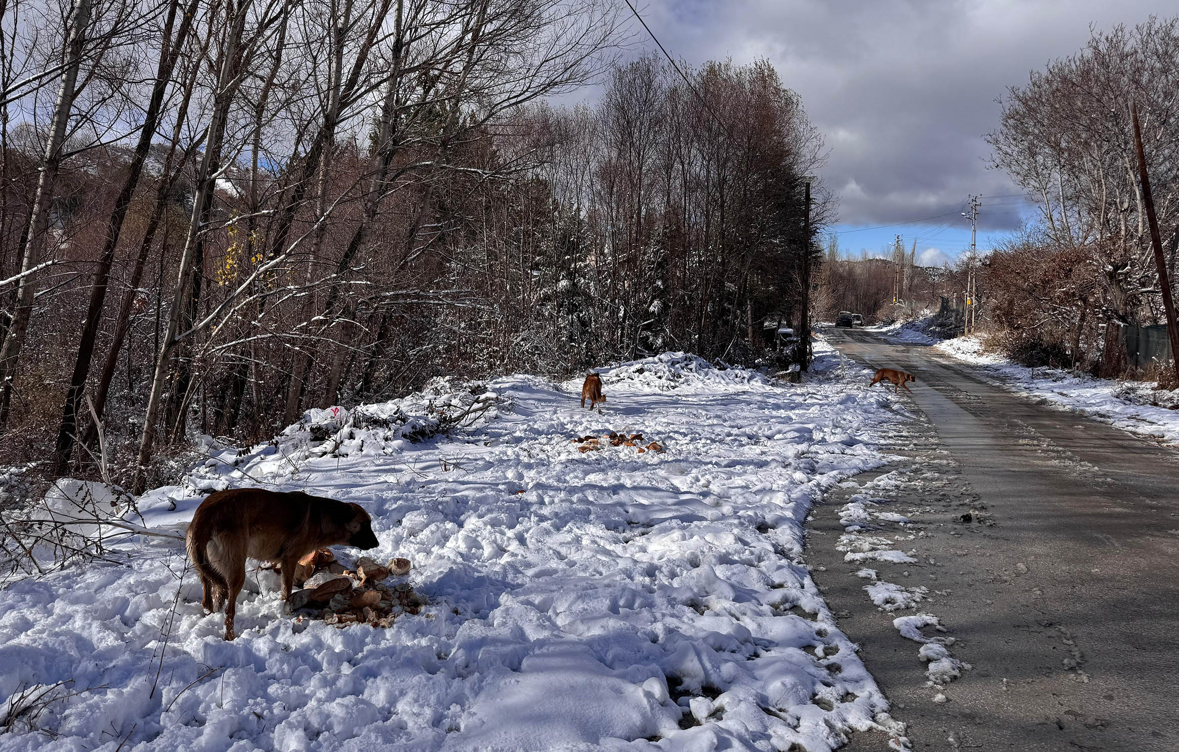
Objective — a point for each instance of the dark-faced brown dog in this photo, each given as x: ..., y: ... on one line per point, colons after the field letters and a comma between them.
x: 241, y: 523
x: 592, y: 390
x: 897, y: 377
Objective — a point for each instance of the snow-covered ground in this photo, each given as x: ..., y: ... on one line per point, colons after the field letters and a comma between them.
x: 576, y: 600
x: 914, y: 332
x: 1133, y: 406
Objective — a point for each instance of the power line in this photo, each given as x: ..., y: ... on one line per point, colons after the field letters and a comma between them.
x: 940, y: 228
x: 937, y: 231
x: 691, y: 86
x: 700, y: 98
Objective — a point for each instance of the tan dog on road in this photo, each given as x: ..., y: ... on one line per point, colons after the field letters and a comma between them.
x: 230, y: 526
x: 897, y: 377
x: 592, y: 390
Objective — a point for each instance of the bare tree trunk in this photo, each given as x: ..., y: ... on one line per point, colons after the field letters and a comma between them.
x: 342, y: 90
x: 227, y: 84
x: 386, y: 150
x: 6, y: 73
x: 337, y: 368
x: 1114, y: 360
x: 169, y: 53
x: 327, y: 136
x: 1077, y: 337
x: 378, y: 351
x: 123, y: 320
x: 246, y: 368
x: 34, y: 245
x: 176, y: 412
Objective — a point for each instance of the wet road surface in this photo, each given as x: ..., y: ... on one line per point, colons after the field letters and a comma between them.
x: 1061, y: 591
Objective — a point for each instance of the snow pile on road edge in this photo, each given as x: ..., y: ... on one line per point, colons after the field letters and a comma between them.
x: 1136, y: 407
x: 914, y: 331
x: 856, y: 517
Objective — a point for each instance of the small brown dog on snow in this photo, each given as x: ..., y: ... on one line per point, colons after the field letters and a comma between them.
x: 897, y: 377
x: 230, y: 526
x: 592, y: 390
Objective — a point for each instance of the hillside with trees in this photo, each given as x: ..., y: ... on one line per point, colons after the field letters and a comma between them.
x: 214, y: 216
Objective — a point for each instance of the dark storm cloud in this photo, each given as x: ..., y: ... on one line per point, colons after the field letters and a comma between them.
x: 903, y: 92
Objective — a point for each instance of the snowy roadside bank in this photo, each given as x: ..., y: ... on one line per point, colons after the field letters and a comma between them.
x: 576, y: 600
x: 1124, y: 404
x: 915, y: 332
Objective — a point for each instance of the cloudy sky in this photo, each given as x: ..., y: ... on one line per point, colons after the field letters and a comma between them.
x: 903, y: 91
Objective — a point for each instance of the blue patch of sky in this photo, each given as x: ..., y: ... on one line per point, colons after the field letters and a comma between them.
x: 941, y: 238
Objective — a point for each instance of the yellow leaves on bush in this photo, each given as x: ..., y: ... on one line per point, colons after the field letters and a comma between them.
x: 230, y: 267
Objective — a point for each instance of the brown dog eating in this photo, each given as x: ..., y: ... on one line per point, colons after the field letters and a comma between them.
x: 231, y: 526
x: 592, y: 390
x: 896, y: 377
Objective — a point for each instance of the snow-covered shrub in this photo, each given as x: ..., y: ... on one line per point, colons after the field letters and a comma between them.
x: 76, y: 520
x: 1140, y: 393
x: 443, y: 405
x: 679, y: 371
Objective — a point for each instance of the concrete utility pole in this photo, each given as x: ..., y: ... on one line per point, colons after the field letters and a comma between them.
x: 898, y: 249
x: 1156, y: 240
x: 804, y: 326
x: 970, y: 300
x: 911, y: 270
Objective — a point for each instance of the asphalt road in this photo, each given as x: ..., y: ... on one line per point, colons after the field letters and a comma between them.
x: 1062, y: 592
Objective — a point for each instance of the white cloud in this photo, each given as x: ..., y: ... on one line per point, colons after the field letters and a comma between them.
x: 904, y: 89
x: 932, y: 257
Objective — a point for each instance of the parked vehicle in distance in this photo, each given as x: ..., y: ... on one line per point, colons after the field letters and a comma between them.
x: 845, y: 318
x: 857, y: 320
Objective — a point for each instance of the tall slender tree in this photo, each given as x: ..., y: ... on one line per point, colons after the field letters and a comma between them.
x: 35, y: 238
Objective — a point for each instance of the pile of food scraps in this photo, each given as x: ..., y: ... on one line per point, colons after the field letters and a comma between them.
x: 368, y: 593
x: 593, y: 443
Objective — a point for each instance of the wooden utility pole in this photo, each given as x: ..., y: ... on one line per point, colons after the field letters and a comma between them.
x: 1157, y: 241
x: 804, y: 326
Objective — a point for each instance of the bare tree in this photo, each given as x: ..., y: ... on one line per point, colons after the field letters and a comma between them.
x: 34, y: 240
x: 234, y: 55
x: 1066, y: 137
x: 333, y: 201
x: 171, y: 48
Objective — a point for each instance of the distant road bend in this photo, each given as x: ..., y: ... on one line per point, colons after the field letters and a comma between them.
x: 1067, y: 607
